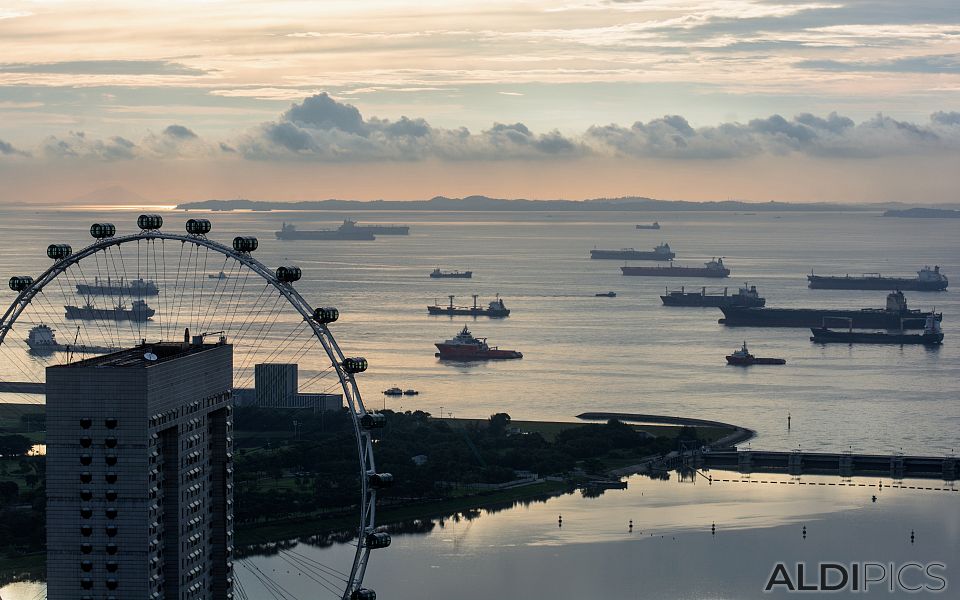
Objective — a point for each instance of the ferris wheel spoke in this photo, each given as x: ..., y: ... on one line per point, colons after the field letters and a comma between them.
x: 261, y: 334
x: 101, y: 327
x: 214, y: 306
x: 280, y: 349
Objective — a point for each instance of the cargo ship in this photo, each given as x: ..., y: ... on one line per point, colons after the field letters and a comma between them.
x: 139, y: 311
x: 654, y: 225
x: 927, y: 280
x: 347, y: 231
x: 745, y: 296
x: 714, y: 268
x: 496, y: 308
x: 438, y: 274
x: 932, y: 335
x: 896, y: 315
x: 466, y: 347
x: 743, y: 358
x: 43, y: 340
x: 661, y: 252
x: 137, y: 288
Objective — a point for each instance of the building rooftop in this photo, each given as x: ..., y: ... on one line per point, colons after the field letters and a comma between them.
x: 144, y: 355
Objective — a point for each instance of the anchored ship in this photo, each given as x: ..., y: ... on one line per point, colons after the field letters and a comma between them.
x: 654, y: 225
x: 714, y: 268
x: 136, y: 288
x: 743, y: 358
x: 927, y: 280
x: 347, y: 231
x: 896, y: 315
x: 932, y: 335
x: 43, y: 340
x: 466, y: 347
x: 496, y: 308
x: 139, y: 311
x: 438, y: 274
x: 745, y: 296
x: 661, y: 252
x: 385, y: 229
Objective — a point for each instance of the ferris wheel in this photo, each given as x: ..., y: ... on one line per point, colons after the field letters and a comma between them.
x: 122, y: 291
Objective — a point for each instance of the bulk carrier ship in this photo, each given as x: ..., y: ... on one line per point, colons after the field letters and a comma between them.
x: 927, y: 280
x: 661, y: 252
x: 714, y: 268
x: 896, y: 315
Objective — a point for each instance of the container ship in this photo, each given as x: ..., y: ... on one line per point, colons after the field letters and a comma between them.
x: 932, y: 335
x: 661, y: 252
x: 714, y: 268
x: 438, y: 274
x: 745, y: 296
x: 927, y: 280
x: 654, y: 225
x: 347, y: 231
x: 466, y: 347
x: 43, y: 340
x: 139, y: 311
x: 896, y: 315
x: 137, y: 288
x: 496, y: 308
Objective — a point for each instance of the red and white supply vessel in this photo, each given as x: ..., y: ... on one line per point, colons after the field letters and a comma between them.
x: 466, y: 347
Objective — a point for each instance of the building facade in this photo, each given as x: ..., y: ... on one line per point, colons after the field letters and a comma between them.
x: 140, y: 475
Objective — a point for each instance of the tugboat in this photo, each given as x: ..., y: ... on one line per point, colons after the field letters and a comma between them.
x: 745, y: 296
x: 139, y: 311
x: 661, y: 252
x: 466, y: 347
x: 932, y: 335
x: 347, y: 231
x: 606, y: 295
x: 714, y: 268
x: 137, y: 288
x: 927, y: 280
x: 42, y: 340
x: 495, y: 309
x: 220, y: 275
x: 394, y: 391
x: 438, y: 274
x: 653, y: 225
x: 743, y: 358
x: 896, y: 315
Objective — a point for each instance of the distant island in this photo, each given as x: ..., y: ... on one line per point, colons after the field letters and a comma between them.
x: 483, y: 203
x: 924, y: 213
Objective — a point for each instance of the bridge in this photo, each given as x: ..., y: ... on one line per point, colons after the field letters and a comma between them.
x: 844, y: 464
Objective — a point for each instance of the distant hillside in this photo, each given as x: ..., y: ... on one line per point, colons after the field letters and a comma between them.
x: 483, y: 203
x: 110, y: 195
x: 924, y: 213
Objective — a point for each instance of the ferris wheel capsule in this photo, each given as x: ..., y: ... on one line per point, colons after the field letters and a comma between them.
x: 20, y: 282
x: 376, y: 540
x: 198, y: 226
x: 373, y: 421
x: 355, y: 365
x: 245, y: 243
x: 149, y: 222
x: 102, y: 231
x: 288, y: 274
x: 325, y: 315
x: 59, y: 251
x: 363, y: 594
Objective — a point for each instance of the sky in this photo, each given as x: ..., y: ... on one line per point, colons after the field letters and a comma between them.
x: 797, y: 100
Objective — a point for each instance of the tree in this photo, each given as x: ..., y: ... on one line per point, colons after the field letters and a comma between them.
x: 499, y: 423
x: 14, y: 445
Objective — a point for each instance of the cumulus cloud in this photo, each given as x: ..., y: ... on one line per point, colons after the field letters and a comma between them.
x: 179, y: 132
x: 175, y: 141
x: 8, y: 149
x: 322, y: 128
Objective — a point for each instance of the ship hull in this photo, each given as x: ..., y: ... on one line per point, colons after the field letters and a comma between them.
x: 47, y: 349
x: 466, y: 353
x: 630, y: 255
x: 385, y: 229
x: 806, y: 317
x: 740, y: 361
x: 107, y: 314
x: 819, y: 282
x: 714, y: 301
x: 464, y: 275
x: 468, y: 311
x: 364, y: 236
x: 675, y: 272
x: 827, y: 336
x: 648, y: 227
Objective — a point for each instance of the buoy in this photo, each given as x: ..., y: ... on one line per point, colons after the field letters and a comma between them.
x: 911, y: 536
x: 874, y: 498
x: 631, y: 525
x: 713, y: 529
x: 560, y: 521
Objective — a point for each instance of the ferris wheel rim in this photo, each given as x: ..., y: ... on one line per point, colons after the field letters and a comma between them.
x: 320, y: 331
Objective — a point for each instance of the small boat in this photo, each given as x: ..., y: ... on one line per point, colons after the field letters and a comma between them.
x: 220, y: 275
x: 743, y: 358
x: 394, y: 391
x: 654, y: 225
x: 606, y: 295
x: 466, y: 347
x: 410, y: 392
x: 438, y: 274
x: 932, y: 335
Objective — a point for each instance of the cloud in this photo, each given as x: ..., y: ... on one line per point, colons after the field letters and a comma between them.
x: 946, y: 63
x: 103, y: 67
x: 78, y: 145
x: 179, y: 132
x: 321, y: 128
x: 7, y: 149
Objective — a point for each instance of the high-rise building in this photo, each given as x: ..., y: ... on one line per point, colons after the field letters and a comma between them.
x: 139, y: 474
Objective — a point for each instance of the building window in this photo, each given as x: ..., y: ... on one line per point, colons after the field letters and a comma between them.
x: 112, y: 566
x: 86, y: 530
x: 86, y: 477
x: 111, y: 495
x: 110, y: 442
x: 86, y: 548
x: 111, y: 477
x: 86, y: 441
x: 86, y: 583
x: 85, y: 459
x: 86, y: 512
x: 111, y: 459
x: 111, y: 423
x: 86, y: 566
x: 111, y: 530
x: 111, y: 584
x: 112, y: 549
x: 86, y: 422
x: 111, y: 513
x: 86, y: 495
